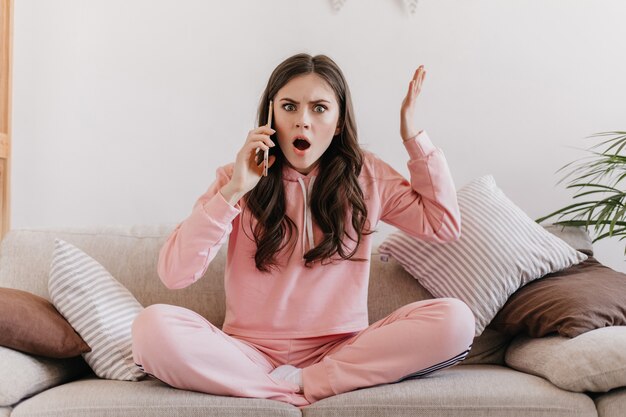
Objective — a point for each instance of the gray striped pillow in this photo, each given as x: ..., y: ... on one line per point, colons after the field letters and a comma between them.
x: 500, y: 249
x: 98, y: 307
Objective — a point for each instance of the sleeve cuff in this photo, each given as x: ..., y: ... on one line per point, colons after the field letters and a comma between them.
x: 220, y: 210
x: 419, y: 146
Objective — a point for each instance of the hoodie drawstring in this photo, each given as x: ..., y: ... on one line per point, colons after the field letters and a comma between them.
x: 308, y: 222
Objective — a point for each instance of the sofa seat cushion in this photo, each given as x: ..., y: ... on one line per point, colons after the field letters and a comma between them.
x: 612, y: 404
x: 92, y: 396
x: 467, y: 391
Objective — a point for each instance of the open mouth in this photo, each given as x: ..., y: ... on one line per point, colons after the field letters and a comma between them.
x: 301, y: 144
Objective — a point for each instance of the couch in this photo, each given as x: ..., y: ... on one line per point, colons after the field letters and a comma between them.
x: 482, y: 385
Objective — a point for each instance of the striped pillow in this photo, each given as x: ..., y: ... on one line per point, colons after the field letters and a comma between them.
x: 98, y: 307
x: 500, y: 249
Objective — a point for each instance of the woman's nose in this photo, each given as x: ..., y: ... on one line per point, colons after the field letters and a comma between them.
x: 303, y: 120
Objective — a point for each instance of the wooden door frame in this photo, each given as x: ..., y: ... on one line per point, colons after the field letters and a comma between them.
x: 6, y: 77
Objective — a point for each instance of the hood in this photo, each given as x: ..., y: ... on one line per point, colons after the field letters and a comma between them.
x: 291, y: 174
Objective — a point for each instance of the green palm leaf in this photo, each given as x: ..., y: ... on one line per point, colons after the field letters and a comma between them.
x: 597, y: 173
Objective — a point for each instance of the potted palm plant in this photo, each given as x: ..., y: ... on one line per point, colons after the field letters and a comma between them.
x: 598, y: 177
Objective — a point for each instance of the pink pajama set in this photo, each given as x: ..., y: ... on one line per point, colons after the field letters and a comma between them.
x: 315, y: 318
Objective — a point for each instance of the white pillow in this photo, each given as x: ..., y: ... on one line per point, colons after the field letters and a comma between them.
x: 500, y: 249
x: 23, y: 375
x: 593, y: 361
x: 98, y: 307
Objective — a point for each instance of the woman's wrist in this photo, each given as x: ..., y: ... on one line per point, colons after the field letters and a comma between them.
x: 412, y: 137
x: 230, y: 194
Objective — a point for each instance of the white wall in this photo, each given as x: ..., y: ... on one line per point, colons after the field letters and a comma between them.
x: 124, y: 109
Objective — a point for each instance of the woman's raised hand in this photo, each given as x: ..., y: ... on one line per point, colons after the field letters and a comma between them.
x: 408, y: 109
x: 247, y: 172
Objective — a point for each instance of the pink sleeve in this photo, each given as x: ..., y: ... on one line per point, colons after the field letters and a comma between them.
x: 192, y: 245
x: 427, y: 207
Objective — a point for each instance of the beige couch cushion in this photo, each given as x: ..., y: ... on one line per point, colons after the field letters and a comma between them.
x: 488, y: 348
x: 612, y: 404
x: 150, y: 397
x: 129, y: 253
x: 23, y: 375
x: 5, y: 411
x: 480, y: 391
x: 575, y: 236
x: 594, y: 361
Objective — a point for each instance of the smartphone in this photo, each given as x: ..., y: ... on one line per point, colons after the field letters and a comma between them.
x: 266, y: 152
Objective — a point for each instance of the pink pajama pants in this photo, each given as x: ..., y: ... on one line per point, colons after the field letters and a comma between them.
x: 184, y: 350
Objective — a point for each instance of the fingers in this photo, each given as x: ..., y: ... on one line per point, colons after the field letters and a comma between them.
x: 419, y: 73
x: 260, y: 165
x: 253, y: 150
x: 418, y: 78
x: 257, y: 142
x: 260, y: 141
x: 415, y: 86
x: 409, y: 93
x: 263, y: 129
x: 262, y: 133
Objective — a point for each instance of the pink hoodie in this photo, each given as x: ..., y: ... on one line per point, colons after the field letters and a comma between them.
x: 296, y: 301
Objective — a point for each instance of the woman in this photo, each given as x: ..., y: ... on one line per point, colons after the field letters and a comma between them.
x: 299, y: 243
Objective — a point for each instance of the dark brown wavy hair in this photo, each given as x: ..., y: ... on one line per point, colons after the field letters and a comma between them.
x: 336, y: 196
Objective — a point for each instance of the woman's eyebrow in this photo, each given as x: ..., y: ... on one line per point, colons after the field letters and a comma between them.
x: 314, y: 101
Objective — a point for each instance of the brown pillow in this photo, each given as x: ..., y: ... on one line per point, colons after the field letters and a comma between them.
x: 31, y: 324
x: 570, y: 302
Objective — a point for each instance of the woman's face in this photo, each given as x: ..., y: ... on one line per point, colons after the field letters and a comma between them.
x: 306, y: 116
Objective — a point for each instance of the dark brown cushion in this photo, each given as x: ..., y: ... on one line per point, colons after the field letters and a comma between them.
x: 570, y: 302
x: 31, y: 324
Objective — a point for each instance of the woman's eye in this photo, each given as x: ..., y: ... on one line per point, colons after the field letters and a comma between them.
x: 318, y: 109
